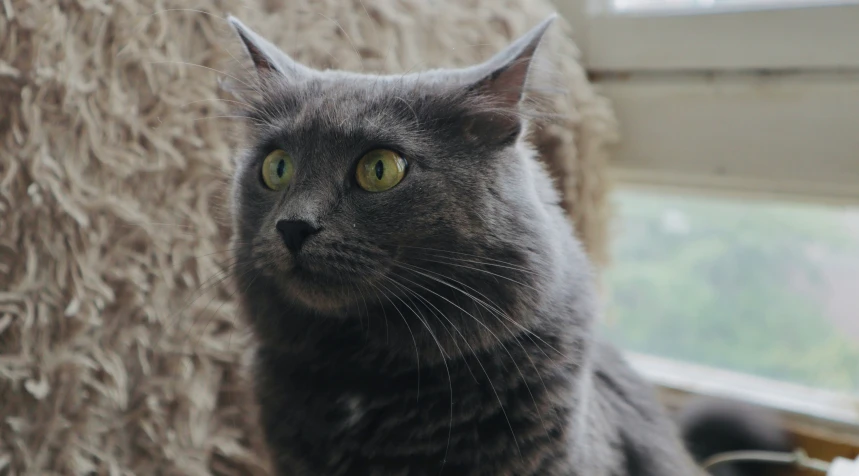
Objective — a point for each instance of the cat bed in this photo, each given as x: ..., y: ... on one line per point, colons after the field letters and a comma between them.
x: 120, y: 349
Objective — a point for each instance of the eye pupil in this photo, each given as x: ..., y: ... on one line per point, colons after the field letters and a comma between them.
x: 379, y: 169
x: 281, y: 166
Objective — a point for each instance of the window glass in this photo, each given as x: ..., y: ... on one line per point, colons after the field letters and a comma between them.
x: 770, y: 289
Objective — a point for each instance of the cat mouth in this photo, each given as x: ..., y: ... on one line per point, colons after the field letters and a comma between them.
x: 317, y: 273
x: 325, y: 290
x: 325, y: 278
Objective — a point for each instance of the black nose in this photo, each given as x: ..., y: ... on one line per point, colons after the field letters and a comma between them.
x: 294, y: 232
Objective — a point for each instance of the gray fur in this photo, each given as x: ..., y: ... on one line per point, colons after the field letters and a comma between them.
x: 442, y: 326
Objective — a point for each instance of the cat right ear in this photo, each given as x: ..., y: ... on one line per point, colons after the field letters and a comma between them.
x: 267, y: 58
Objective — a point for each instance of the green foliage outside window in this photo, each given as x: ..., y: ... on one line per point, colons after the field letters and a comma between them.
x: 768, y: 289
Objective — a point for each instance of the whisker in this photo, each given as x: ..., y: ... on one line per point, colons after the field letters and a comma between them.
x: 227, y: 116
x: 152, y: 223
x: 510, y: 425
x: 439, y: 315
x: 366, y: 308
x: 202, y: 311
x: 203, y: 332
x: 447, y: 369
x: 201, y: 12
x: 205, y: 67
x: 514, y: 268
x: 225, y: 250
x: 201, y: 290
x: 360, y: 318
x: 231, y: 101
x: 484, y: 258
x: 521, y: 346
x: 194, y: 10
x: 349, y: 38
x: 417, y: 120
x: 417, y: 354
x: 485, y: 271
x: 485, y: 303
x: 166, y: 10
x: 384, y: 312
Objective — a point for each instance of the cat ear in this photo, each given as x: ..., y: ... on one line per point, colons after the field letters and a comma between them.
x: 267, y: 58
x: 502, y: 79
x: 499, y: 86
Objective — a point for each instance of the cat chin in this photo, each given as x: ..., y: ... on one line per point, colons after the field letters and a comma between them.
x: 319, y: 294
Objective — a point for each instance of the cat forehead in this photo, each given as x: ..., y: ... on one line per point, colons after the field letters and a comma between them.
x: 363, y: 88
x: 338, y: 97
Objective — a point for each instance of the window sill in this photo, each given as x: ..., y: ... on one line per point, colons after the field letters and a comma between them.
x: 824, y: 423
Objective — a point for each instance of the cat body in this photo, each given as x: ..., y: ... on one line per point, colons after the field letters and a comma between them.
x: 380, y: 416
x: 442, y: 325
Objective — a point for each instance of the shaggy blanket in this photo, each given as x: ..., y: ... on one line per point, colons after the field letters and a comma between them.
x: 120, y: 347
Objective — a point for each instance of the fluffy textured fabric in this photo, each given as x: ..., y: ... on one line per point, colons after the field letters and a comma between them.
x: 120, y: 347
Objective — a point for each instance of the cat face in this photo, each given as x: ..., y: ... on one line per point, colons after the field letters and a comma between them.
x: 356, y: 188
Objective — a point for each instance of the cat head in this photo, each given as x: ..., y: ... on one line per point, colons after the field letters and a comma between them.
x: 355, y: 188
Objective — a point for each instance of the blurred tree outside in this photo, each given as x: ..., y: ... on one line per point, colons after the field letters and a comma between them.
x: 770, y: 289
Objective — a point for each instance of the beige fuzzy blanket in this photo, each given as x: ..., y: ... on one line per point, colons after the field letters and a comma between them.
x: 119, y: 343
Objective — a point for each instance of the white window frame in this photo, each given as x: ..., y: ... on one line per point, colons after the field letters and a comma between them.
x: 722, y: 101
x: 821, y: 36
x: 788, y: 137
x: 836, y: 414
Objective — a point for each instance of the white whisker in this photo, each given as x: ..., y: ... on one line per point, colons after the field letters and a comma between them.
x: 528, y: 333
x: 515, y: 441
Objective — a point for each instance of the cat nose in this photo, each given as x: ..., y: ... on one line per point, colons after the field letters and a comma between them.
x: 294, y: 232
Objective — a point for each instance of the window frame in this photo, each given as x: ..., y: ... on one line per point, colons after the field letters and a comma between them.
x: 790, y: 136
x: 678, y: 381
x: 718, y: 38
x: 824, y: 424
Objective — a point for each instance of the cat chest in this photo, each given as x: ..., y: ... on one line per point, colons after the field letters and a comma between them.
x: 463, y: 423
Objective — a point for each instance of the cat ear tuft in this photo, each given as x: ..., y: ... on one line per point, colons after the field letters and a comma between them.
x: 506, y: 74
x: 267, y: 58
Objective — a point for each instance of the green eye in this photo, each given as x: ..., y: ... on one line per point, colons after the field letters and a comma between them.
x: 277, y: 170
x: 380, y: 170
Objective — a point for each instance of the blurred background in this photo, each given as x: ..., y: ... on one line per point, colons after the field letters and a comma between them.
x: 707, y: 152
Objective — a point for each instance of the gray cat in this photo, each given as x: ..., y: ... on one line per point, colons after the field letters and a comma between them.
x: 421, y: 303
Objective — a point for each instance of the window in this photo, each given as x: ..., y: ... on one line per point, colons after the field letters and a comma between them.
x: 736, y: 254
x: 764, y: 288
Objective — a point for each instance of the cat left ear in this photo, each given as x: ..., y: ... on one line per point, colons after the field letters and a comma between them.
x: 504, y: 76
x: 267, y: 58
